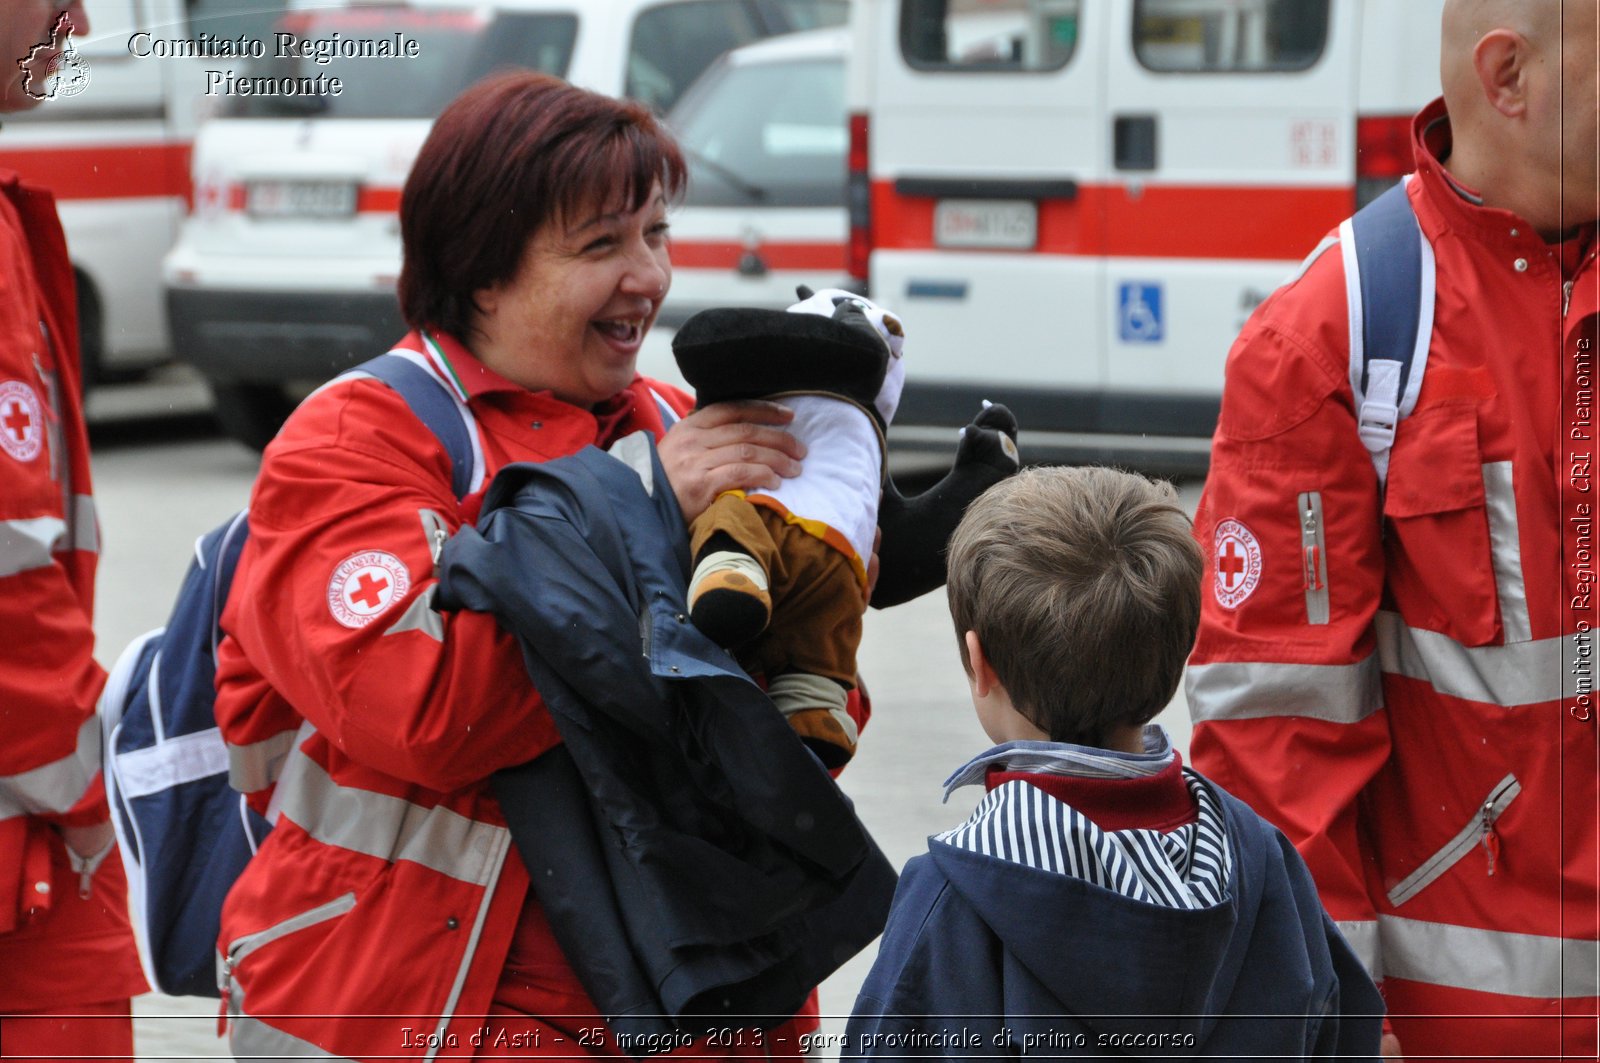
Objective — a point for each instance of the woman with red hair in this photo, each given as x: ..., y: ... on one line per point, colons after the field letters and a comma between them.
x: 387, y: 914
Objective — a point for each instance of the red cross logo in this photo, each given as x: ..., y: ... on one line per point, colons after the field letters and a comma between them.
x: 1230, y: 563
x: 16, y: 420
x: 21, y: 421
x: 1238, y: 564
x: 369, y: 591
x: 364, y: 586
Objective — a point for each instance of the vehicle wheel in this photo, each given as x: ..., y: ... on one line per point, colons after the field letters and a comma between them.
x: 250, y: 413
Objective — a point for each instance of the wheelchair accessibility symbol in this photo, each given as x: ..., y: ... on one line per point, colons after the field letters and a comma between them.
x: 1139, y: 313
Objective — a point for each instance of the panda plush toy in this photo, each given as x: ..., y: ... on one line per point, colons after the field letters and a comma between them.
x: 780, y: 574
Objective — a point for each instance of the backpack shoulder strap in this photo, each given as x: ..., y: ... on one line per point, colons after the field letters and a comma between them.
x: 1389, y: 287
x: 436, y: 407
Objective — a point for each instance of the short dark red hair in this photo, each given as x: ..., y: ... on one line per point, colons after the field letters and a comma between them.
x: 508, y: 155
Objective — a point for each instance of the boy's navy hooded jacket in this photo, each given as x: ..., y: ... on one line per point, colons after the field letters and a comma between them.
x: 986, y: 955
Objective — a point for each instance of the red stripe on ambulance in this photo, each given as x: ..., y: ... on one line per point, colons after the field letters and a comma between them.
x: 105, y: 171
x: 1163, y: 221
x: 718, y: 254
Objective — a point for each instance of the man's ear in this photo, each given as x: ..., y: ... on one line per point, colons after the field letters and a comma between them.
x: 1500, y: 60
x: 983, y: 678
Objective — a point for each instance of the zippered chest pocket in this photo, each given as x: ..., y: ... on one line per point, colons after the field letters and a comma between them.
x: 1440, y: 562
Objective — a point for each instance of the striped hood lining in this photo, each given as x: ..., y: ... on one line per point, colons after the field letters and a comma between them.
x: 1188, y: 868
x: 1064, y: 758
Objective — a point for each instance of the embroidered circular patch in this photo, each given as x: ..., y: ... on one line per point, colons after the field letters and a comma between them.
x: 364, y: 585
x: 21, y: 420
x: 1237, y: 564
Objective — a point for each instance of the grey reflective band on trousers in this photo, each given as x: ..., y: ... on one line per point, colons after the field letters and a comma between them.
x: 1489, y: 961
x: 1481, y: 961
x: 33, y: 542
x: 253, y: 1039
x: 57, y: 786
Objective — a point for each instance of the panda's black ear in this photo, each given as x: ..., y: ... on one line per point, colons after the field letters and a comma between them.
x: 803, y: 292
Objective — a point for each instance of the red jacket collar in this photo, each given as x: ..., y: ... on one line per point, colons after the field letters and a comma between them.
x: 1156, y: 802
x: 472, y: 379
x: 1460, y: 207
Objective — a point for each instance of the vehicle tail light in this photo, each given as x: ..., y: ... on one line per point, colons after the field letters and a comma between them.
x: 858, y: 197
x: 1383, y: 154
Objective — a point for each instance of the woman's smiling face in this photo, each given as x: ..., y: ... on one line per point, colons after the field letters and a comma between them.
x: 574, y: 315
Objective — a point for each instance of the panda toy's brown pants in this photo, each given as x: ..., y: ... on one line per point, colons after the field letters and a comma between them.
x: 817, y: 603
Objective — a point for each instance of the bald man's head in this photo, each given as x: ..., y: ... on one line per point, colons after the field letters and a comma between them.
x: 1520, y: 84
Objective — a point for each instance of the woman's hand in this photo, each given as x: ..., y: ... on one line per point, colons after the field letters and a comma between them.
x: 725, y: 447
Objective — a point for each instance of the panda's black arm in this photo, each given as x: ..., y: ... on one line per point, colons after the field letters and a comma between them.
x: 916, y: 530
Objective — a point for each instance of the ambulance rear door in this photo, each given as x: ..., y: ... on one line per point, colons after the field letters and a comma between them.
x: 1230, y: 127
x: 986, y: 131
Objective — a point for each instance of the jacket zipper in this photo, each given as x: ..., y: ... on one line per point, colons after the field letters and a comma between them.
x: 1480, y: 831
x: 242, y: 947
x: 1313, y: 557
x: 1567, y: 286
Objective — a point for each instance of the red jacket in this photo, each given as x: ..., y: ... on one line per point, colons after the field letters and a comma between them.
x: 389, y: 887
x: 72, y: 948
x: 1404, y: 685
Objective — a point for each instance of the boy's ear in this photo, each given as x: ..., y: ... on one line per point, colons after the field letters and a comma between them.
x: 983, y: 677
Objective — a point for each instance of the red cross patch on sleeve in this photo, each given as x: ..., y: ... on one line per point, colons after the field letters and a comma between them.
x: 365, y: 585
x: 1236, y: 564
x: 21, y: 421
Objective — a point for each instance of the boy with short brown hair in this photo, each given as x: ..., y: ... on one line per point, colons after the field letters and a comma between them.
x: 1102, y: 899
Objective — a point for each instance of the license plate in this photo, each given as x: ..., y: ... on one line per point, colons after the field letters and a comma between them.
x: 1008, y: 224
x: 301, y: 199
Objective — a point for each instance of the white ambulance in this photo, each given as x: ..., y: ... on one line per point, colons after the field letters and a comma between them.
x: 1077, y: 203
x: 114, y: 148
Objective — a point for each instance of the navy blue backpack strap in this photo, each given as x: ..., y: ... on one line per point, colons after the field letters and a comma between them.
x: 1389, y: 289
x: 434, y: 405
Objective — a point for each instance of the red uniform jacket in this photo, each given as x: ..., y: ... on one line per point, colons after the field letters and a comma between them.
x: 1404, y: 683
x: 72, y: 948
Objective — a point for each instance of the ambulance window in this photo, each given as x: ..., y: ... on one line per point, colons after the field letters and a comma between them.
x: 1229, y: 36
x: 989, y: 35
